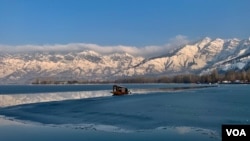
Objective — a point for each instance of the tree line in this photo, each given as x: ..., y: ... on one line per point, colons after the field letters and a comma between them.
x: 214, y: 77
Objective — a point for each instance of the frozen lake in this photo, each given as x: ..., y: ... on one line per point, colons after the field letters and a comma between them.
x: 152, y: 112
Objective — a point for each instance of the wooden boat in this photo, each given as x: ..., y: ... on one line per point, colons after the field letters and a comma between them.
x: 119, y: 90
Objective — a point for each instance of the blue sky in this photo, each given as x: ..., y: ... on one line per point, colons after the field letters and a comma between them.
x: 120, y: 22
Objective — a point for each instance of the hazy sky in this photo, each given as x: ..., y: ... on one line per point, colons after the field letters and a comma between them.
x: 120, y: 22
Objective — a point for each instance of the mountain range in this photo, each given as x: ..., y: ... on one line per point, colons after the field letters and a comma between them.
x: 200, y: 57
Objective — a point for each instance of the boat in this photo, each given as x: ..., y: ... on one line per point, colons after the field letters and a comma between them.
x: 120, y: 90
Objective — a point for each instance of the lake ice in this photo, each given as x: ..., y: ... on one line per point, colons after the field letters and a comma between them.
x: 150, y: 112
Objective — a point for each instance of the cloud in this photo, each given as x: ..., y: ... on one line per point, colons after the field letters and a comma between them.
x: 173, y: 43
x: 147, y: 51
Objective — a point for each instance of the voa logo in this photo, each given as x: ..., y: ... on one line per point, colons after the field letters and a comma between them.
x: 236, y: 132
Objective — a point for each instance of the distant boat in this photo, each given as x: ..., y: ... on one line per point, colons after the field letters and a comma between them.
x: 120, y: 90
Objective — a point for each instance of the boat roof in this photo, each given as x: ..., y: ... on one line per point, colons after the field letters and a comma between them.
x: 119, y: 86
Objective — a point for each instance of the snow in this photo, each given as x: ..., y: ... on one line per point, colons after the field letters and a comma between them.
x: 242, y: 52
x: 204, y: 42
x: 240, y: 65
x: 206, y: 53
x: 89, y: 52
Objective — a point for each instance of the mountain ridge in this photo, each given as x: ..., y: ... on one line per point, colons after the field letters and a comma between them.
x: 198, y: 57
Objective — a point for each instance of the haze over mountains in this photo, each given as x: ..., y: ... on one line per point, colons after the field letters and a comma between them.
x: 81, y: 62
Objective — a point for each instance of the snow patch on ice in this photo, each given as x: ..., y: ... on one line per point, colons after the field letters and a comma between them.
x: 95, y: 127
x: 4, y: 121
x: 187, y: 130
x: 18, y: 99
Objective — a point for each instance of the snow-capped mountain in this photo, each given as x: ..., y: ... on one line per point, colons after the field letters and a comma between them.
x: 199, y: 57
